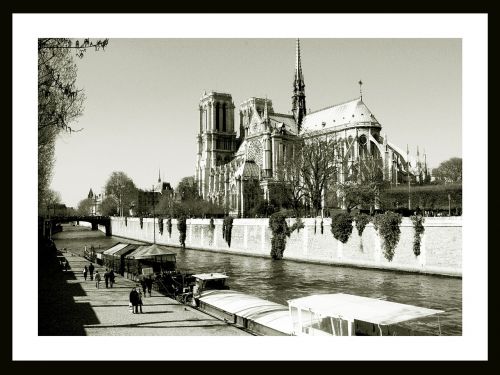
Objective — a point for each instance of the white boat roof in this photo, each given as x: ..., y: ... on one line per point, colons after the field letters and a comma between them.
x: 361, y: 308
x: 259, y: 310
x: 210, y: 276
x: 115, y: 248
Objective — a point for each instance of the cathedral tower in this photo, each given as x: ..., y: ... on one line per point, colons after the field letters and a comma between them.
x: 216, y: 139
x: 299, y: 94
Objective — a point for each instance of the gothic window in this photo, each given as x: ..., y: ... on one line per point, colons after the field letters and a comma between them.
x: 224, y: 117
x: 217, y: 116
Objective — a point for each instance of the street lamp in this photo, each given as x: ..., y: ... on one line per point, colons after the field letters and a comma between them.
x: 154, y: 224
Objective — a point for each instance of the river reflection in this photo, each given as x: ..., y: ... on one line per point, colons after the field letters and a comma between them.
x: 279, y: 281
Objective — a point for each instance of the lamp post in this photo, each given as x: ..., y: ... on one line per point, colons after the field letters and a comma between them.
x: 154, y: 224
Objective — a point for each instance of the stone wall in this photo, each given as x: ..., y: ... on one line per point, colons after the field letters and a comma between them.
x: 441, y: 246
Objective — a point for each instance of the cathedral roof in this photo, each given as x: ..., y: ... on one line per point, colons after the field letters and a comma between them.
x: 288, y: 120
x: 249, y: 169
x: 352, y: 112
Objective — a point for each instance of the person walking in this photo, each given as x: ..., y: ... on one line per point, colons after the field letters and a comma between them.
x: 111, y: 278
x: 143, y: 285
x: 66, y: 266
x: 149, y: 285
x: 139, y: 302
x: 85, y: 271
x: 97, y: 279
x: 134, y: 300
x: 106, y: 278
x: 91, y: 271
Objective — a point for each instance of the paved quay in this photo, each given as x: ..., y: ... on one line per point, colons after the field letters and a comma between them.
x: 106, y: 311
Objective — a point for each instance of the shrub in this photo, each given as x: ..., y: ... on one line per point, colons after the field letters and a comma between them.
x: 280, y: 230
x: 227, y: 227
x: 361, y: 221
x: 182, y: 227
x: 169, y: 227
x: 387, y: 225
x: 418, y: 222
x: 342, y: 226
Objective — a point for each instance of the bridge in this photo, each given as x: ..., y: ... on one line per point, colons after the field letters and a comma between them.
x: 50, y: 225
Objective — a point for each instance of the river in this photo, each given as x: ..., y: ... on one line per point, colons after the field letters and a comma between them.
x: 279, y: 281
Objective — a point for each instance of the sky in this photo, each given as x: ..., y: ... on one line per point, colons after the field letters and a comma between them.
x: 141, y: 110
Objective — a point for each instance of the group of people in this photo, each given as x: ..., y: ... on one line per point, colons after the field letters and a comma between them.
x: 109, y: 276
x: 135, y: 299
x: 136, y: 295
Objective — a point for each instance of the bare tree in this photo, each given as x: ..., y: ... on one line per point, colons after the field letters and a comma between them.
x: 318, y: 168
x: 60, y: 102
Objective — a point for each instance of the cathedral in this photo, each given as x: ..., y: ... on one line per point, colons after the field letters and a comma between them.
x: 229, y: 167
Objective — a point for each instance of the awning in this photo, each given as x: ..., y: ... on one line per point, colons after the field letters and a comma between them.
x: 153, y: 251
x: 137, y: 252
x: 115, y: 248
x: 127, y: 249
x: 367, y: 309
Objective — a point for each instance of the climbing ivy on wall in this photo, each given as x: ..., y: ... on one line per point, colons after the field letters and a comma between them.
x: 362, y: 221
x: 169, y: 227
x: 418, y: 221
x: 182, y: 227
x: 140, y: 221
x: 211, y: 228
x: 227, y: 227
x: 160, y: 225
x: 341, y: 226
x: 125, y: 221
x: 280, y: 231
x: 387, y: 225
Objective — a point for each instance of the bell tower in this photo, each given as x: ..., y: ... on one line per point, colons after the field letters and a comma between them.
x: 216, y: 138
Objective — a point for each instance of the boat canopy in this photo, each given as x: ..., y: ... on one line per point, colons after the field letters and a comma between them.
x: 115, y: 248
x: 126, y: 249
x: 258, y: 310
x: 152, y: 252
x: 210, y: 276
x: 350, y: 307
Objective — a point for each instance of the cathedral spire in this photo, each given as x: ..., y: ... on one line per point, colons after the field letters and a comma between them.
x: 299, y: 96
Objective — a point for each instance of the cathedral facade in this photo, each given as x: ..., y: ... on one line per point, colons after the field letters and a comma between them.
x: 230, y: 167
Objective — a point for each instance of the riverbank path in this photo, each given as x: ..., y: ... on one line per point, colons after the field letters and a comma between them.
x: 105, y: 311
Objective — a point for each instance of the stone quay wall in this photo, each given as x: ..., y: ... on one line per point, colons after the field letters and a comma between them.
x: 440, y: 249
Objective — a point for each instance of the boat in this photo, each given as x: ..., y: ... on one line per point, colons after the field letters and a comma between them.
x: 336, y: 314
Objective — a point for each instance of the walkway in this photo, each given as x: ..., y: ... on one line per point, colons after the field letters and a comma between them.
x: 105, y: 312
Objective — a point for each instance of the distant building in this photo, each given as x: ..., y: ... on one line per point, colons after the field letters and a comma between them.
x: 148, y: 199
x: 96, y: 203
x: 228, y: 167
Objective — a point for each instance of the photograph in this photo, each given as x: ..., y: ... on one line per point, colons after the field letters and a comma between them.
x: 259, y: 186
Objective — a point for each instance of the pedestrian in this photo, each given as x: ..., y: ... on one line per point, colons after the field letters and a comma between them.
x: 97, y: 279
x: 134, y: 300
x: 149, y: 284
x: 143, y: 285
x: 91, y: 271
x: 106, y: 278
x: 139, y: 302
x: 85, y: 270
x: 111, y: 278
x: 66, y: 265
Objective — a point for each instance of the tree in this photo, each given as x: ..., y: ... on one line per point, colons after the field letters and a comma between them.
x: 449, y: 171
x: 85, y: 207
x: 318, y: 168
x: 187, y: 189
x: 108, y: 207
x: 165, y: 205
x: 290, y: 188
x: 60, y: 102
x: 122, y: 190
x: 363, y: 186
x: 49, y: 201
